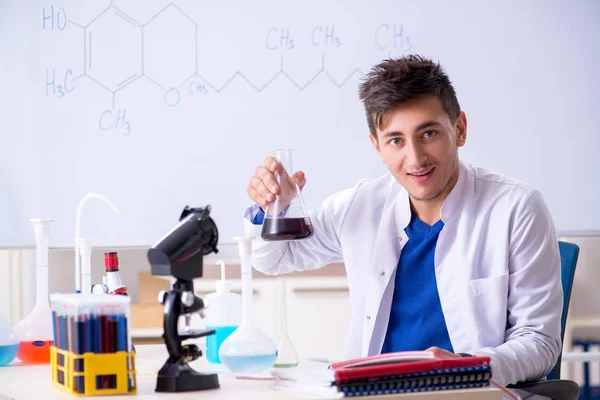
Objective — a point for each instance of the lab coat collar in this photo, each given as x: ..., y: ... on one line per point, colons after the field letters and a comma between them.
x: 463, y: 188
x: 398, y: 200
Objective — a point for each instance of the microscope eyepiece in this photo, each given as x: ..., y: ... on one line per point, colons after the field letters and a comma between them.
x: 179, y: 252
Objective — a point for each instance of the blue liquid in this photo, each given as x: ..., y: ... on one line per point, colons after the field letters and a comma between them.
x: 249, y: 364
x: 8, y: 353
x: 213, y: 342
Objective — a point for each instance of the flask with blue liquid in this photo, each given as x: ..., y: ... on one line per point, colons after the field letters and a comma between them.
x: 9, y: 344
x: 223, y: 314
x: 248, y: 350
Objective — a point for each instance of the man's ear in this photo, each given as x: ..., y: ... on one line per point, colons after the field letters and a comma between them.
x: 461, y: 129
x: 376, y: 145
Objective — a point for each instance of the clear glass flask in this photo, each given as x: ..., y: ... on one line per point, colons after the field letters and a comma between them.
x: 9, y: 344
x: 286, y: 352
x: 247, y: 350
x: 286, y: 218
x: 35, y: 331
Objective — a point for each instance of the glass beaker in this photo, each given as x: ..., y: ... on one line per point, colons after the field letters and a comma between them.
x: 286, y: 353
x: 286, y: 218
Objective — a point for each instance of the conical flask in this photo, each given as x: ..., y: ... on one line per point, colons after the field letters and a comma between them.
x: 35, y: 332
x: 286, y: 352
x: 286, y: 218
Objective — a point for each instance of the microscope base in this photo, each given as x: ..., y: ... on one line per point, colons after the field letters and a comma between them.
x: 182, y: 378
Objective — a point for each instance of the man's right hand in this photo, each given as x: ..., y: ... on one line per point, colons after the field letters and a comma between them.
x: 270, y: 180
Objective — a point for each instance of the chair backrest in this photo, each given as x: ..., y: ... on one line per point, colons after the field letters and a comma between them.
x: 569, y: 253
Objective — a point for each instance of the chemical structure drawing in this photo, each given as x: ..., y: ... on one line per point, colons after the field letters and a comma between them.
x: 174, y: 72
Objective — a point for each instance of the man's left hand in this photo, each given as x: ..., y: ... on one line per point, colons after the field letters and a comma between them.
x: 441, y: 352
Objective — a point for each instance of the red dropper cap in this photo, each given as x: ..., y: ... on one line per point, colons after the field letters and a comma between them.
x: 111, y: 262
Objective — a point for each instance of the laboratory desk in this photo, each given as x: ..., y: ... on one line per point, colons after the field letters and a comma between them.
x: 20, y: 381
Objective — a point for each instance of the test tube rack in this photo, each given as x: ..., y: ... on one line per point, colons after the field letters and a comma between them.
x: 92, y: 352
x: 95, y: 367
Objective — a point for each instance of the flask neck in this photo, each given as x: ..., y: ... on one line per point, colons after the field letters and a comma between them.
x: 42, y: 240
x: 247, y: 298
x: 283, y: 306
x: 284, y: 156
x: 41, y: 285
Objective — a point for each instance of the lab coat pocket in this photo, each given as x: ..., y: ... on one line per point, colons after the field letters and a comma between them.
x: 489, y: 297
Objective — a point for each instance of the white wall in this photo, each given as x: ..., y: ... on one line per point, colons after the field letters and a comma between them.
x: 525, y: 72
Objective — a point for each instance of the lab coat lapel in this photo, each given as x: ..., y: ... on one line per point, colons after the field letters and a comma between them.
x: 390, y: 239
x: 450, y: 274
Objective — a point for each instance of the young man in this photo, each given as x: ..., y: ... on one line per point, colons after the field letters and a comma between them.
x: 438, y: 254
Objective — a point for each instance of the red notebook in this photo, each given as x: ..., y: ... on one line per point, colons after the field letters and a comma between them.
x: 409, y: 372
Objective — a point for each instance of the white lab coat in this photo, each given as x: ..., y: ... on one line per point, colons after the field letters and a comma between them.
x: 497, y: 266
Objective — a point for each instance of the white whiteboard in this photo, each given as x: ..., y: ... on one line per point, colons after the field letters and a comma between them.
x: 208, y: 89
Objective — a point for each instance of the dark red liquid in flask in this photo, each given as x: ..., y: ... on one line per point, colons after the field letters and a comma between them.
x: 286, y: 228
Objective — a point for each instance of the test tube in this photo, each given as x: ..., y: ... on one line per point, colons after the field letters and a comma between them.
x: 81, y: 344
x: 99, y: 341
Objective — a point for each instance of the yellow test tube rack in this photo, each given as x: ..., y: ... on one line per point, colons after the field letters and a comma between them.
x: 119, y: 367
x: 92, y: 352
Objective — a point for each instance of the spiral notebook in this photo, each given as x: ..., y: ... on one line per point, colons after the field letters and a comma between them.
x: 409, y: 372
x: 390, y: 373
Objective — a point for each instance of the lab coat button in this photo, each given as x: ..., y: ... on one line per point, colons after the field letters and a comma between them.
x: 368, y: 317
x: 382, y: 273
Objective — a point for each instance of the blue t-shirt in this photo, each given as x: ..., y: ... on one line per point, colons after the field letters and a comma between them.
x: 259, y: 217
x: 416, y: 318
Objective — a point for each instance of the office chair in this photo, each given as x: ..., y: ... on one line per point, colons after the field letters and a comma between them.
x: 554, y: 387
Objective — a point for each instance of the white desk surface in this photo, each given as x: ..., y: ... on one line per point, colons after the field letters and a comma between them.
x: 19, y: 381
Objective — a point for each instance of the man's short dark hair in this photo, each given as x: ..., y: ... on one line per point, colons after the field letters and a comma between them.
x: 396, y: 81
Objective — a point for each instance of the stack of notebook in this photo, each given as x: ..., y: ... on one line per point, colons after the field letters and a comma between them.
x: 391, y: 373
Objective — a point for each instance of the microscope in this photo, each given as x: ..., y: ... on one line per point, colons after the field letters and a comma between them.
x: 179, y: 253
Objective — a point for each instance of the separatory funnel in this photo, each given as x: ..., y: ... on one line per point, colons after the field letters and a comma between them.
x: 286, y: 218
x: 247, y: 350
x: 35, y: 331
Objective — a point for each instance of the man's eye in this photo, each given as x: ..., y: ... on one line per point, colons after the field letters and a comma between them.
x: 395, y: 142
x: 429, y: 134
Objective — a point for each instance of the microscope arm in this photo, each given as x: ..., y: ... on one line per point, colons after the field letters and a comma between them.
x: 172, y: 307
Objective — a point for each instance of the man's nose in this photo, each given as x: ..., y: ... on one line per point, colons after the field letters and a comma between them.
x: 415, y: 154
